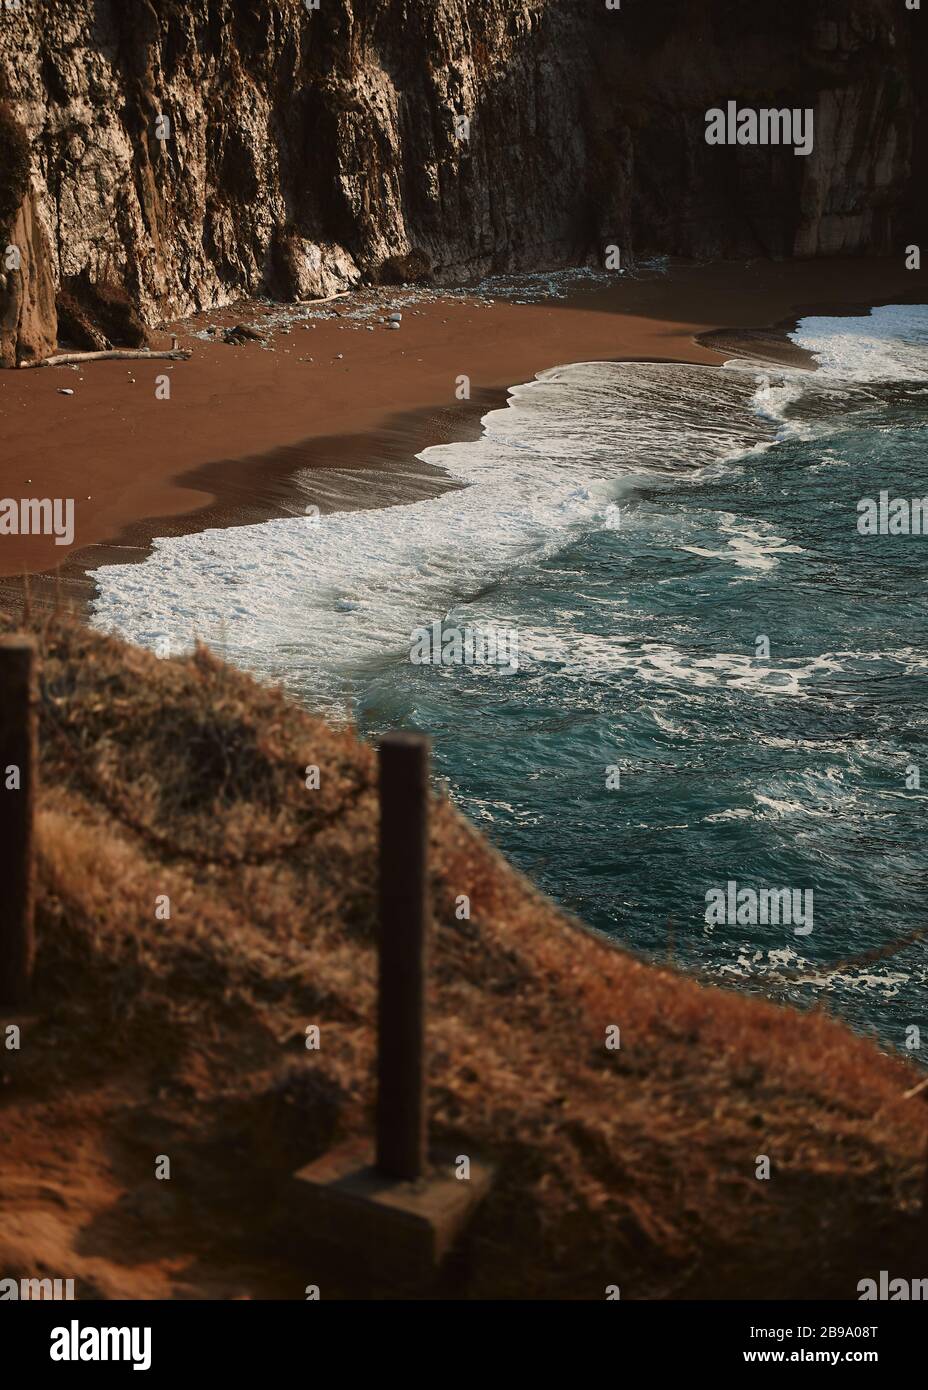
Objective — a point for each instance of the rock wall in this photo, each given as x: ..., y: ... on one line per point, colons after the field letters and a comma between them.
x: 28, y: 318
x: 198, y: 150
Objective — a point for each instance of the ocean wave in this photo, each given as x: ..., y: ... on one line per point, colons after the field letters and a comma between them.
x: 638, y: 525
x: 311, y: 600
x: 888, y: 344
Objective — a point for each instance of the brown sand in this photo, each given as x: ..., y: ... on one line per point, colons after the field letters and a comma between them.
x: 242, y: 420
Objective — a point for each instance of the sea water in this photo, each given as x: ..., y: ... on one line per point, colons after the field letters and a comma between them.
x: 720, y: 679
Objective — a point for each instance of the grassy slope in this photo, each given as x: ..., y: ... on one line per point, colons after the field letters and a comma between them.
x: 185, y: 1037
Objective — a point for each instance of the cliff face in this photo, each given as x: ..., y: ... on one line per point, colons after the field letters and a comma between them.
x: 197, y: 150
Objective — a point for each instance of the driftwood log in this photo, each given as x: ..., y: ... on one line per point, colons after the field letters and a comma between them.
x: 342, y: 294
x: 67, y: 359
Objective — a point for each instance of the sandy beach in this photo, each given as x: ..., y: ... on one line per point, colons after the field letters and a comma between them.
x: 355, y: 405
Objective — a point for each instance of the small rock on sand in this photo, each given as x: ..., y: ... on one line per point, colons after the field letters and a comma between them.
x: 65, y: 391
x: 240, y: 334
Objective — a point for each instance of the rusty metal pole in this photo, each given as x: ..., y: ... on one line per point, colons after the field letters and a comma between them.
x: 402, y: 1144
x: 18, y: 769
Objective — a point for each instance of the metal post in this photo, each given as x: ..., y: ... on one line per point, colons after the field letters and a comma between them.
x: 18, y: 768
x: 402, y: 1144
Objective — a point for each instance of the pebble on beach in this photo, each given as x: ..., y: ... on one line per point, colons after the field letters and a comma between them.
x: 65, y: 391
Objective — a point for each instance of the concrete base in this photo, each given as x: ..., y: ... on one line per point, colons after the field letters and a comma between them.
x: 406, y: 1227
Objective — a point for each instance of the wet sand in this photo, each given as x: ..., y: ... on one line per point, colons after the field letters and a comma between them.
x: 242, y: 423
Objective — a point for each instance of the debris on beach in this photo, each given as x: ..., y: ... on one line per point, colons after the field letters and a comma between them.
x: 241, y: 334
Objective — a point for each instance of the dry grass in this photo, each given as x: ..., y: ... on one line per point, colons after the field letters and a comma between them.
x: 185, y: 1037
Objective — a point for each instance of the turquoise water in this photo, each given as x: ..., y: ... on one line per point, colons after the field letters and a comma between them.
x: 639, y: 527
x: 638, y: 643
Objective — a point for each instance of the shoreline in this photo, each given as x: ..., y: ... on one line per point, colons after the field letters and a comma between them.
x: 191, y: 471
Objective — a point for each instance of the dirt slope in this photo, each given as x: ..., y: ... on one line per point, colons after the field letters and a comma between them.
x: 185, y: 1037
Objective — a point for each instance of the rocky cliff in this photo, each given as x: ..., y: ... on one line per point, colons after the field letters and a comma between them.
x: 192, y: 151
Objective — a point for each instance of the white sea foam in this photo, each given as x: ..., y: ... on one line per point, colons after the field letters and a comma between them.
x: 778, y: 965
x: 779, y: 808
x: 578, y: 654
x: 853, y: 355
x: 312, y: 603
x: 888, y: 344
x: 775, y: 394
x: 751, y: 547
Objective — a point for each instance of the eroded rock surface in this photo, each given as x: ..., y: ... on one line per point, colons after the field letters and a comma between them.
x: 195, y: 151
